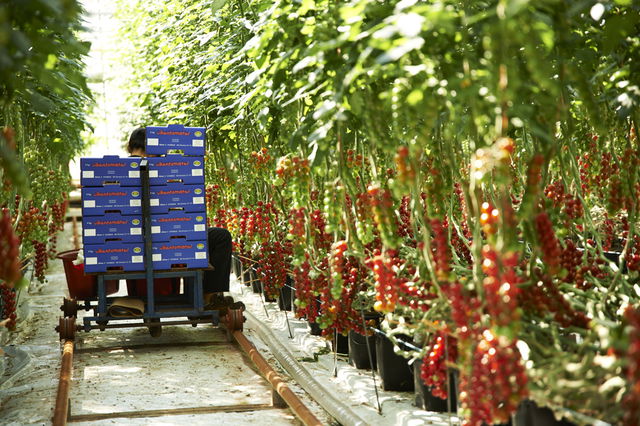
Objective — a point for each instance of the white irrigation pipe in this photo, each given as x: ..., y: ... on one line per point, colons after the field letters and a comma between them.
x: 339, y: 411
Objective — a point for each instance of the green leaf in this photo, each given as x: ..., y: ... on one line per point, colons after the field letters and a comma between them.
x: 356, y: 103
x: 309, y: 26
x: 415, y: 97
x: 13, y: 169
x: 617, y: 28
x: 352, y: 13
x: 515, y: 6
x: 22, y: 284
x: 20, y: 41
x: 217, y: 5
x: 52, y: 60
x: 54, y: 6
x: 546, y: 34
x: 306, y: 6
x: 41, y: 103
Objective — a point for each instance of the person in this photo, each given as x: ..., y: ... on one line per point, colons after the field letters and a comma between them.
x: 137, y: 145
x: 216, y: 280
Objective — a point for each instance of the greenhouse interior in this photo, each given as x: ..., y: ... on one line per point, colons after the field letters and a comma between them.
x: 314, y: 212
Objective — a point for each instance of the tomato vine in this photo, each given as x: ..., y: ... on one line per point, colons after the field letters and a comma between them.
x: 478, y: 157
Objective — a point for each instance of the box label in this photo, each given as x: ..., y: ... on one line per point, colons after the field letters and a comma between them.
x: 186, y: 197
x: 124, y: 171
x: 175, y: 137
x: 112, y: 227
x: 99, y: 200
x: 178, y: 225
x: 176, y: 168
x: 113, y: 256
x: 189, y: 254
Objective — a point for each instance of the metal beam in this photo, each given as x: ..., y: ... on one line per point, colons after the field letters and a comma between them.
x: 170, y: 412
x: 297, y: 406
x: 148, y: 346
x: 61, y: 410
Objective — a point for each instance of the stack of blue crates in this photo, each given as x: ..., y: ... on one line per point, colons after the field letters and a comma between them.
x: 112, y: 205
x: 178, y: 209
x: 112, y: 214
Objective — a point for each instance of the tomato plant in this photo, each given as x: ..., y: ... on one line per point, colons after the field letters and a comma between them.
x: 43, y: 96
x: 466, y: 168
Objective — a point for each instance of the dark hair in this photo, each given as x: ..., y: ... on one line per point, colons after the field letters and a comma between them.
x: 137, y: 140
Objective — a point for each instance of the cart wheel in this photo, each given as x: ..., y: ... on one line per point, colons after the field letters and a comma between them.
x: 238, y: 305
x: 102, y: 325
x: 234, y: 320
x: 154, y: 330
x: 69, y: 307
x: 67, y: 328
x: 193, y: 324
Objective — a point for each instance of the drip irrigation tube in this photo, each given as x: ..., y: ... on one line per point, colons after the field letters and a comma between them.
x: 339, y: 411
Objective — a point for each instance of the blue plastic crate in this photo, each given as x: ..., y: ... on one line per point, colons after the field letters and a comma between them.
x: 184, y: 254
x: 110, y: 169
x: 177, y: 224
x: 114, y: 256
x: 175, y: 137
x: 111, y: 227
x: 96, y: 201
x: 186, y: 197
x: 176, y: 169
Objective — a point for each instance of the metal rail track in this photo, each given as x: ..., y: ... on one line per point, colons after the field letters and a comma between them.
x: 282, y: 395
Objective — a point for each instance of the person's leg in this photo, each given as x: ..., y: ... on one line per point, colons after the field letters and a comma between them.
x: 217, y: 280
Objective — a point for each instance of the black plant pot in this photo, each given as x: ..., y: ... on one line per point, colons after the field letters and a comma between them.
x: 266, y: 297
x: 246, y: 275
x: 359, y: 352
x: 426, y: 400
x: 342, y: 346
x: 315, y: 329
x: 529, y: 414
x: 395, y: 372
x: 236, y: 265
x: 285, y: 301
x: 256, y: 286
x: 614, y: 256
x: 233, y: 263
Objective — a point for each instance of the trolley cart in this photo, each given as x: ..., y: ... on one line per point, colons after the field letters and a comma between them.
x: 190, y: 304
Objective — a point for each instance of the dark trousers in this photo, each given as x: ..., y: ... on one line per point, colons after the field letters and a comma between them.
x: 217, y: 279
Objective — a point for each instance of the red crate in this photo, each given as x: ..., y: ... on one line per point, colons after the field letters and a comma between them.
x: 161, y: 287
x: 81, y: 286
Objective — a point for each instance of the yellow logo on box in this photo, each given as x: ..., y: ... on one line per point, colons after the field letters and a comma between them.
x: 196, y: 163
x: 199, y: 218
x: 198, y: 133
x: 135, y: 194
x: 137, y: 250
x: 136, y: 221
x: 134, y: 165
x: 198, y: 191
x: 200, y: 246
